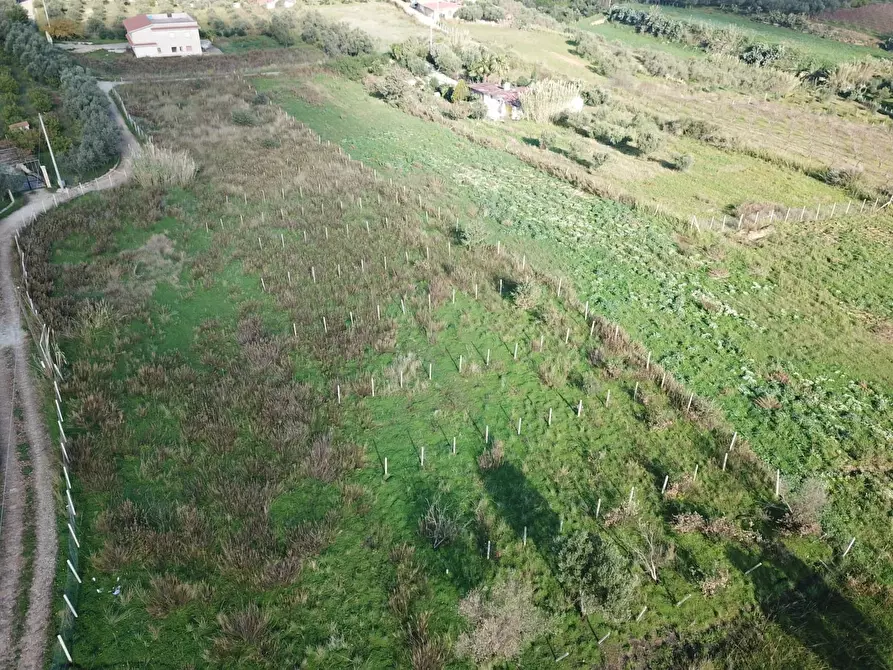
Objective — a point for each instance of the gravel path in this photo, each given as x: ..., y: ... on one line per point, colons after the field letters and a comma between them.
x: 27, y: 651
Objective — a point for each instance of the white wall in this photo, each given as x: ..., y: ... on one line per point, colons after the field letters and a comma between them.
x: 177, y: 42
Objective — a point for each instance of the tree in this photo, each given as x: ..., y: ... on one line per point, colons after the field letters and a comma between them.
x: 10, y: 180
x: 17, y: 14
x: 63, y: 29
x: 460, y: 92
x: 488, y: 65
x: 596, y: 575
x: 445, y: 59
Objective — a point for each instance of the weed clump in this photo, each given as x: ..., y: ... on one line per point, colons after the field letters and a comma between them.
x: 502, y: 620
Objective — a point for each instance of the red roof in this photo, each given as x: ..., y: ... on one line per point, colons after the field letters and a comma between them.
x: 137, y: 22
x: 159, y: 21
x: 510, y: 96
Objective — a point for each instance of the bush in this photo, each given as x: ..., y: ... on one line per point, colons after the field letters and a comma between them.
x: 244, y: 117
x: 394, y: 86
x: 502, y: 620
x: 478, y: 109
x: 596, y: 575
x: 805, y: 508
x: 547, y: 139
x: 595, y: 96
x: 648, y: 141
x: 155, y: 166
x: 845, y: 177
x: 683, y: 162
x: 440, y: 524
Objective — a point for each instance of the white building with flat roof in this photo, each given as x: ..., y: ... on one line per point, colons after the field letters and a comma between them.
x: 157, y: 35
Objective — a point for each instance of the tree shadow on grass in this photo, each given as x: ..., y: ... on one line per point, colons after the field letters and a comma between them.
x: 522, y: 506
x: 814, y: 610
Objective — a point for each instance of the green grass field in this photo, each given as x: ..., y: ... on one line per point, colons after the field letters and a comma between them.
x: 818, y: 48
x: 243, y: 508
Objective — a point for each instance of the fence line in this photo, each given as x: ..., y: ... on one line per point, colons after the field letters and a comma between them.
x: 51, y: 361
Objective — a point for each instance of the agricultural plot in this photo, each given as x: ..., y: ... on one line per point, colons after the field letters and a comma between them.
x: 314, y: 404
x: 830, y: 133
x: 875, y: 18
x: 819, y: 48
x: 384, y: 21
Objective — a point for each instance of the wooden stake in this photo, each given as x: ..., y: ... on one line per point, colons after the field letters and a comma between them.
x: 338, y: 387
x: 487, y: 434
x: 567, y: 336
x: 664, y: 487
x: 519, y: 425
x: 515, y: 355
x: 580, y: 408
x: 725, y: 459
x: 460, y: 363
x: 550, y: 416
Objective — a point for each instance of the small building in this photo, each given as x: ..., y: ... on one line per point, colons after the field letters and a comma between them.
x: 437, y: 9
x: 158, y: 35
x: 500, y: 101
x: 21, y: 125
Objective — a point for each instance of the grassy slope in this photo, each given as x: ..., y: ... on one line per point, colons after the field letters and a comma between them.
x: 785, y: 299
x: 174, y: 357
x: 819, y: 48
x: 337, y: 610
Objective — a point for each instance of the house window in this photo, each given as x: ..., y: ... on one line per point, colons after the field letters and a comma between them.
x: 188, y: 49
x: 159, y: 49
x: 173, y: 50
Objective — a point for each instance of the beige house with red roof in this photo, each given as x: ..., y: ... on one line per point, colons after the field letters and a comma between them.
x: 158, y: 35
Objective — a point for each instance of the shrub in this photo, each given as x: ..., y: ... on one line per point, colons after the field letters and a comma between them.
x: 244, y: 117
x: 393, y: 86
x: 502, y: 620
x: 683, y: 162
x: 440, y: 524
x: 547, y: 139
x: 527, y: 296
x: 155, y: 166
x: 805, y: 508
x: 596, y: 575
x: 478, y: 109
x: 846, y: 177
x: 648, y: 141
x: 595, y: 96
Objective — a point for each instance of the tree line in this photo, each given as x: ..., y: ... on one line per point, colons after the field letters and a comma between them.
x: 83, y: 102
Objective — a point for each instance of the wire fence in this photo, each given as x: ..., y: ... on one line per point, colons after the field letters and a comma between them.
x: 51, y: 359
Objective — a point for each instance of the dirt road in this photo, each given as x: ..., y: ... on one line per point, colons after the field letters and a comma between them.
x: 28, y: 461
